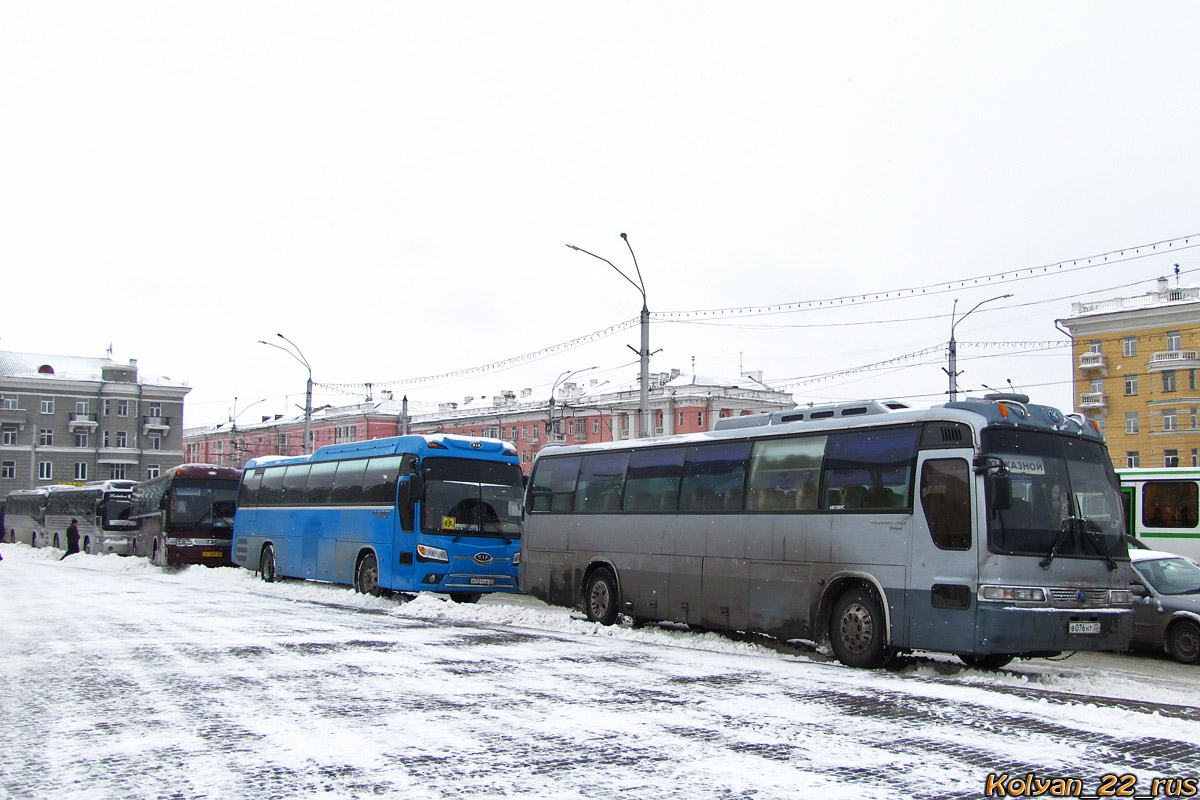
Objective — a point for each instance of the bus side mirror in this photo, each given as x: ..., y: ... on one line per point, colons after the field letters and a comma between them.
x: 1000, y: 490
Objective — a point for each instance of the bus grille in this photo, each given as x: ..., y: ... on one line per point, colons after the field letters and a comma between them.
x: 1066, y: 596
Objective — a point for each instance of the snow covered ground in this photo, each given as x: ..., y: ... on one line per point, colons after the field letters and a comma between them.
x: 121, y: 680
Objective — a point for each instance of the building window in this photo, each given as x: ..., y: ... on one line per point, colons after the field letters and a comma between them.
x: 1131, y: 422
x: 1130, y: 346
x: 1170, y: 458
x: 82, y: 406
x: 1192, y: 380
x: 8, y: 469
x: 596, y: 425
x: 8, y: 402
x: 116, y: 472
x: 152, y: 471
x: 47, y: 405
x: 155, y: 410
x: 45, y: 437
x: 154, y: 442
x: 122, y: 439
x: 1170, y: 421
x: 700, y: 420
x: 9, y: 435
x: 1195, y: 457
x: 1131, y: 387
x: 1094, y: 346
x: 1174, y: 341
x: 81, y: 470
x: 1097, y: 386
x: 1168, y: 378
x: 1133, y: 459
x: 45, y: 471
x: 81, y: 439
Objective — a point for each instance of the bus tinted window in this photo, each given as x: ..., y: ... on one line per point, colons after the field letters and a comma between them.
x: 553, y: 484
x: 870, y: 469
x: 713, y: 477
x: 320, y: 482
x: 785, y: 473
x: 248, y: 495
x: 347, y: 483
x: 946, y: 501
x: 1169, y: 504
x: 379, y: 481
x: 601, y: 481
x: 653, y: 479
x: 270, y: 492
x: 295, y: 478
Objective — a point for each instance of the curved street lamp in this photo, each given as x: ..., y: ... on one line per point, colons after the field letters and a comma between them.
x: 295, y: 353
x: 644, y: 353
x: 953, y: 353
x: 566, y: 375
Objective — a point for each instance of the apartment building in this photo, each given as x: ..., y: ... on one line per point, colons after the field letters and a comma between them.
x: 1135, y: 363
x: 71, y: 419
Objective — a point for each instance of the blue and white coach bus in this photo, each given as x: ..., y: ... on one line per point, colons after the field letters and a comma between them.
x: 989, y: 528
x: 437, y: 513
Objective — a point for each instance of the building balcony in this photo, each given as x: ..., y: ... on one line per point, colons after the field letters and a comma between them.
x: 1093, y: 400
x: 13, y: 416
x: 156, y: 424
x: 1095, y: 363
x: 1174, y: 359
x: 82, y: 421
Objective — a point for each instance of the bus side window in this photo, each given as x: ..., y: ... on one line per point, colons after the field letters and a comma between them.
x: 946, y: 501
x: 552, y: 486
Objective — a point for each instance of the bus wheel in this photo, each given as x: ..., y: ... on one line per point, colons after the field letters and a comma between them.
x: 366, y: 577
x: 466, y: 597
x: 600, y: 597
x: 266, y: 564
x: 1184, y: 641
x: 989, y: 662
x: 157, y: 556
x: 857, y: 631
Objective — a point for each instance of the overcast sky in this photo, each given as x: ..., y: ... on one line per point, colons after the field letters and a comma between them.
x: 391, y: 185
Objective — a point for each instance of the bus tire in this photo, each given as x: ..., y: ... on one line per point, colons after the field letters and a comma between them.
x: 266, y: 564
x: 158, y: 555
x: 990, y: 661
x: 366, y: 576
x: 857, y: 630
x: 600, y: 597
x: 466, y: 597
x: 1183, y: 640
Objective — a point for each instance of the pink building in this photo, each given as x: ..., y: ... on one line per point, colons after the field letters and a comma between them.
x: 585, y: 411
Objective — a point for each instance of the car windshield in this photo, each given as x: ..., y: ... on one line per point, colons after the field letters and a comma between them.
x: 1172, y: 575
x: 464, y: 496
x: 1065, y: 501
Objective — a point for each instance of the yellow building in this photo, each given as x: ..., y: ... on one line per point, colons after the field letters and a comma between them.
x: 1135, y: 373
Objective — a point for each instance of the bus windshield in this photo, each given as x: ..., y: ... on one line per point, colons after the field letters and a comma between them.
x: 116, y: 512
x: 477, y: 497
x: 203, y: 504
x: 1065, y: 501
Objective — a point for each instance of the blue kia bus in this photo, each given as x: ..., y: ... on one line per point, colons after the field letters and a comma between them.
x: 438, y: 513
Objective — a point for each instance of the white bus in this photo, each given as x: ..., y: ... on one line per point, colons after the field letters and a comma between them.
x: 989, y: 528
x: 24, y: 514
x: 101, y: 511
x: 1161, y: 508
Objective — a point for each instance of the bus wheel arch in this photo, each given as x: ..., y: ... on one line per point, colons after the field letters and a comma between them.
x: 1183, y: 640
x: 366, y: 574
x: 601, y: 594
x: 56, y: 540
x: 267, y: 565
x: 857, y: 623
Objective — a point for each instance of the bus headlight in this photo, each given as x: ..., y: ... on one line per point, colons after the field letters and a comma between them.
x: 427, y: 553
x: 1014, y: 593
x: 1119, y: 597
x: 517, y: 559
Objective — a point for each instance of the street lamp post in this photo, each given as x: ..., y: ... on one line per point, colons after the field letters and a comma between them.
x: 295, y: 353
x: 644, y: 352
x: 953, y: 351
x: 560, y: 379
x: 233, y: 428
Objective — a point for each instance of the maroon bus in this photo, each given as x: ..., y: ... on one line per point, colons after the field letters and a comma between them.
x: 185, y: 516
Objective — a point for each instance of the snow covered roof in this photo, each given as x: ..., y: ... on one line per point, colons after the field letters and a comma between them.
x: 70, y: 368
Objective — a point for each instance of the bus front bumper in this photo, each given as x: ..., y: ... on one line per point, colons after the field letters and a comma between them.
x: 1016, y: 629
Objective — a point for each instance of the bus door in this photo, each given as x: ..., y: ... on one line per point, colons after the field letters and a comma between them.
x: 1127, y: 506
x: 945, y: 564
x: 407, y: 493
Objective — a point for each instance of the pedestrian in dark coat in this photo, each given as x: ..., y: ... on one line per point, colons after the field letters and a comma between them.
x: 72, y: 539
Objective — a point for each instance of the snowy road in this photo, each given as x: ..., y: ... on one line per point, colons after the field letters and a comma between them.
x: 123, y: 681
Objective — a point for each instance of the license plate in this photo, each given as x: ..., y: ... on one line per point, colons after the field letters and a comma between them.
x: 1083, y: 627
x: 483, y: 581
x: 211, y: 554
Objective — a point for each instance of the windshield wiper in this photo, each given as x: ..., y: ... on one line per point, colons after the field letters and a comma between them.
x: 1063, y: 532
x: 1090, y: 529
